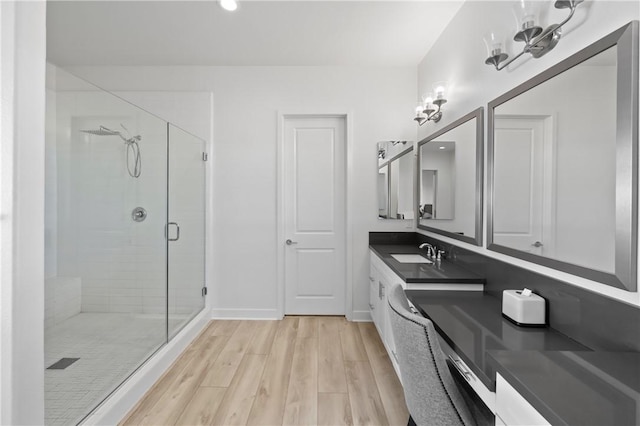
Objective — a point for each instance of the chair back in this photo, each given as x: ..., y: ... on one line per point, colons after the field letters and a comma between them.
x: 431, y: 393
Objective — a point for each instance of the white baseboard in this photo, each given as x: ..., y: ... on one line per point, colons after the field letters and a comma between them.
x: 114, y: 408
x: 245, y: 314
x: 361, y: 316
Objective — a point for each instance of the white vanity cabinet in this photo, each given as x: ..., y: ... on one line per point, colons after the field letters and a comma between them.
x: 375, y: 298
x: 381, y: 278
x: 513, y: 409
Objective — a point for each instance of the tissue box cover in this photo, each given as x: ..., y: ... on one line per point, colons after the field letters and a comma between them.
x: 523, y: 310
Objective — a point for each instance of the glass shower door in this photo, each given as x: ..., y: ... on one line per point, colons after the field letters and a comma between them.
x: 105, y: 252
x: 186, y: 228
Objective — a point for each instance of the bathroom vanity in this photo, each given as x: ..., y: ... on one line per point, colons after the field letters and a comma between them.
x: 523, y: 375
x: 550, y: 154
x: 406, y: 265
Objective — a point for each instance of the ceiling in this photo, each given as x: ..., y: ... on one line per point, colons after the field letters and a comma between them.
x: 270, y: 33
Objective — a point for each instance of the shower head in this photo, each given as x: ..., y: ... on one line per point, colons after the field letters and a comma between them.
x: 131, y: 142
x: 105, y: 131
x: 102, y: 131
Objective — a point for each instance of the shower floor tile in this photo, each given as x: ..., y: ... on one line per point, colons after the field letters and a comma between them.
x: 109, y: 347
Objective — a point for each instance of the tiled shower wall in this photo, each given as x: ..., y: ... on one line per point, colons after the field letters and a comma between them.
x: 116, y: 264
x: 120, y: 262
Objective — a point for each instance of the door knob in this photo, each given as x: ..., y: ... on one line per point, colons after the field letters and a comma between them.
x: 537, y: 244
x: 289, y: 242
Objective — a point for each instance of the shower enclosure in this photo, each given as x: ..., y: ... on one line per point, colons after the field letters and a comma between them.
x: 124, y: 242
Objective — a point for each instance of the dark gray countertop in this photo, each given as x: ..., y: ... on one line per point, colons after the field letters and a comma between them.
x: 471, y: 322
x: 437, y: 272
x: 565, y: 381
x: 576, y: 388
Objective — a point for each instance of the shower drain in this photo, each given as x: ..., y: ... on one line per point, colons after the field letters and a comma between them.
x: 62, y: 363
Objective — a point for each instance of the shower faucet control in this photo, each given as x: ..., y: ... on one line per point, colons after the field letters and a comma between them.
x: 138, y: 214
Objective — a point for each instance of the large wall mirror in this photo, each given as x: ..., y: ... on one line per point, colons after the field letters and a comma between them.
x: 563, y: 164
x: 450, y: 180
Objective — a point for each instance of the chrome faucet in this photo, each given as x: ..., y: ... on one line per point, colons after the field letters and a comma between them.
x: 431, y: 250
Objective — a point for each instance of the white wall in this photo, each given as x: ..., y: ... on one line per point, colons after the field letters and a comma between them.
x: 246, y: 103
x: 459, y: 56
x: 50, y: 183
x: 22, y: 129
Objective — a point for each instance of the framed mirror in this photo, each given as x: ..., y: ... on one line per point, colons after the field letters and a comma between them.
x: 395, y: 184
x: 563, y: 170
x: 401, y: 188
x: 450, y: 180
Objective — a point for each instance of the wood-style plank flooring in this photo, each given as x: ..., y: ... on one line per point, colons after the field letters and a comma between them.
x: 298, y: 371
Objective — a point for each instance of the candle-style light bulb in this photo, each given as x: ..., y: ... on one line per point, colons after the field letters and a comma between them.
x: 439, y: 89
x: 527, y: 14
x: 494, y: 43
x: 428, y: 104
x: 420, y: 118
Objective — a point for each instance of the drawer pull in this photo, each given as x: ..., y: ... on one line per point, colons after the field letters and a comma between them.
x: 459, y: 366
x: 371, y: 306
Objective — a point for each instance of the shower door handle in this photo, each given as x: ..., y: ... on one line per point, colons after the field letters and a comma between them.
x: 177, y: 231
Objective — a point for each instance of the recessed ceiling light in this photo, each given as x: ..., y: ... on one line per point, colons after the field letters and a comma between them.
x: 442, y: 147
x: 229, y: 5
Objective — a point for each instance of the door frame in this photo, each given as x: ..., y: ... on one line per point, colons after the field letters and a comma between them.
x: 280, y: 199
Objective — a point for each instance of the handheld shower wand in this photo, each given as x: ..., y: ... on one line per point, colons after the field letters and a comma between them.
x: 133, y: 149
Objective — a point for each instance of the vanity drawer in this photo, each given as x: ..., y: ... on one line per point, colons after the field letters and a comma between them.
x: 386, y: 274
x: 488, y: 397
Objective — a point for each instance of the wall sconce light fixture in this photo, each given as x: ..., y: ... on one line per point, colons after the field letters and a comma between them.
x: 536, y: 41
x: 429, y: 109
x: 382, y: 151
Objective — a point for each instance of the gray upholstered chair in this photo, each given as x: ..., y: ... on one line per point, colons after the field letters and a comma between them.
x: 432, y: 394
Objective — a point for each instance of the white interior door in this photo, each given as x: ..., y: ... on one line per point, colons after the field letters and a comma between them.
x: 314, y: 215
x: 522, y: 183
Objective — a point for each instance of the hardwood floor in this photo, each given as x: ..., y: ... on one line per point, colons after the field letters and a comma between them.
x: 298, y: 371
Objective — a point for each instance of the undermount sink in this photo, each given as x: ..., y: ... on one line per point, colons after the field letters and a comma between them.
x: 410, y: 258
